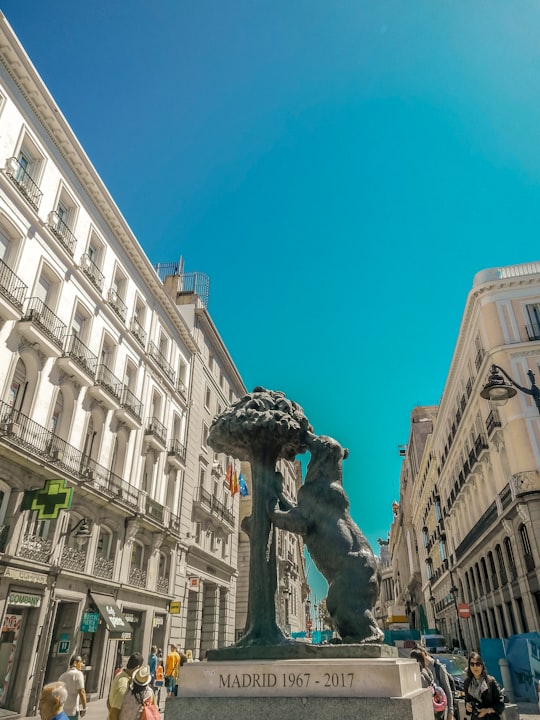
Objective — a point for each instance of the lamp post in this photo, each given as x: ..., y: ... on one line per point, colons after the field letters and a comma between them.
x: 454, y: 592
x: 499, y: 391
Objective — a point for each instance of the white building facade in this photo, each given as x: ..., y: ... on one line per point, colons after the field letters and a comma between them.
x: 102, y: 402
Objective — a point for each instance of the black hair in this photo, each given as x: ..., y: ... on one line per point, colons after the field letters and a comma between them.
x: 477, y: 658
x: 136, y: 660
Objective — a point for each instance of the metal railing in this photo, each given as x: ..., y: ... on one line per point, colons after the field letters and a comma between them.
x: 23, y: 180
x: 43, y: 317
x: 493, y: 421
x: 162, y: 585
x: 131, y: 403
x: 62, y: 232
x: 103, y: 567
x: 75, y: 349
x: 92, y: 272
x: 138, y: 331
x: 36, y: 548
x: 176, y: 448
x: 41, y: 443
x: 154, y: 427
x: 11, y: 286
x: 206, y: 499
x: 108, y: 380
x: 117, y: 304
x: 156, y: 354
x: 137, y: 577
x: 188, y: 283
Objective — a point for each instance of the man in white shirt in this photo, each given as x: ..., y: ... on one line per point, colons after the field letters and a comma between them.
x: 74, y: 682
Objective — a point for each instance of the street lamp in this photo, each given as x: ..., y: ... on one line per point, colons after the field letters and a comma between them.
x: 454, y: 592
x: 499, y: 391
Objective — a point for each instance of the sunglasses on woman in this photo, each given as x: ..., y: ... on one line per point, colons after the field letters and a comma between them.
x: 475, y: 664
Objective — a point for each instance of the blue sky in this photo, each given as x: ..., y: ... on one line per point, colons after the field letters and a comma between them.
x: 340, y: 170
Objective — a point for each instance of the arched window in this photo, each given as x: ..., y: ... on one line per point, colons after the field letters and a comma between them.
x: 485, y: 574
x: 510, y: 558
x: 527, y: 550
x: 17, y: 389
x: 494, y: 578
x: 105, y: 552
x: 500, y: 562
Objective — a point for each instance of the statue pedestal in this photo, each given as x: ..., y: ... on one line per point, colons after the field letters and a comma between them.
x: 388, y: 688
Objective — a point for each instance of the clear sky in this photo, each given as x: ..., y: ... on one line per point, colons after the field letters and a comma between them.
x: 340, y: 169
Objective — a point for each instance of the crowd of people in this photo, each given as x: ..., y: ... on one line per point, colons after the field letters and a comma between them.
x: 138, y: 686
x: 135, y: 687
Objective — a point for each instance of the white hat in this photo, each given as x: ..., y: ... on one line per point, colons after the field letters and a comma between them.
x: 142, y: 676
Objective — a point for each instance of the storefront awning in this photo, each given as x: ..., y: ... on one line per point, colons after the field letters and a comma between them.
x: 117, y: 625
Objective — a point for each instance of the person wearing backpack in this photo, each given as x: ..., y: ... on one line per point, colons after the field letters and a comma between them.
x: 139, y: 701
x: 442, y: 678
x: 428, y: 681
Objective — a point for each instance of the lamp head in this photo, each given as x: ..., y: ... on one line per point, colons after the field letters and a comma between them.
x: 497, y: 389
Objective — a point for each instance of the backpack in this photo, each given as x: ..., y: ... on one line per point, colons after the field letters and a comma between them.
x: 451, y: 682
x: 439, y: 699
x: 149, y: 710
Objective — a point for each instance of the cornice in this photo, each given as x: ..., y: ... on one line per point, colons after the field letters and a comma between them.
x: 26, y: 78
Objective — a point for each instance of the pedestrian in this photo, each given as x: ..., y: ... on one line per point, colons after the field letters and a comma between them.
x: 152, y: 664
x: 138, y: 695
x: 74, y: 682
x: 428, y: 681
x: 172, y: 668
x: 120, y: 685
x: 482, y: 691
x: 441, y: 678
x: 51, y: 701
x: 160, y: 678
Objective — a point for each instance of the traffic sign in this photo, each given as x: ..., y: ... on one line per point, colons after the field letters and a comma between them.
x: 464, y: 611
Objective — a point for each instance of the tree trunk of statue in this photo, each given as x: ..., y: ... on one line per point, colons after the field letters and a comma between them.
x: 261, y: 626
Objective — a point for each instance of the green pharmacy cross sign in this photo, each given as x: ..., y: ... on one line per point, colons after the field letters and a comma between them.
x: 53, y: 497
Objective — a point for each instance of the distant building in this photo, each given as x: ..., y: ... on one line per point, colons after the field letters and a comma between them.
x: 116, y: 532
x: 473, y: 514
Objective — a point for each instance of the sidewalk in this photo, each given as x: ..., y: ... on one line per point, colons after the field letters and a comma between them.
x: 97, y: 710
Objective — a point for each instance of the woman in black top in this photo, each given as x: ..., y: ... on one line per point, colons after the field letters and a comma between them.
x: 483, y: 696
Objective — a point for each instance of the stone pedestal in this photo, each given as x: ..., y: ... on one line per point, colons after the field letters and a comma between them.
x: 383, y: 688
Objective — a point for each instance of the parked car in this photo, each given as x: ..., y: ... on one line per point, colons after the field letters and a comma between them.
x: 434, y: 643
x: 456, y: 666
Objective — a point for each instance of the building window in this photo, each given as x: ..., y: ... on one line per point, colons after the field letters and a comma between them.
x: 207, y: 398
x: 527, y: 550
x: 510, y: 557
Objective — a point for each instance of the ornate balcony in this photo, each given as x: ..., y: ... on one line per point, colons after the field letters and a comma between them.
x: 160, y: 359
x: 117, y: 304
x: 40, y: 325
x: 155, y: 434
x: 130, y: 410
x: 92, y: 272
x: 23, y: 181
x: 206, y: 504
x: 139, y: 333
x: 61, y: 232
x: 137, y: 577
x: 103, y: 567
x: 78, y: 361
x: 107, y: 388
x: 176, y: 454
x: 12, y: 293
x: 36, y: 548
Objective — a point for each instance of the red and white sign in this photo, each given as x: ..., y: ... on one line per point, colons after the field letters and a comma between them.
x: 464, y: 611
x: 193, y: 584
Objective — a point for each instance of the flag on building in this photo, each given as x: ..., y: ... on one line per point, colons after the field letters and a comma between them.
x: 242, y: 484
x: 234, y: 484
x: 228, y: 478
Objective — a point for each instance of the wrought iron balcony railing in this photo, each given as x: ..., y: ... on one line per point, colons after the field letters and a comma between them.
x: 24, y: 182
x: 43, y: 317
x: 117, y: 304
x: 154, y: 427
x: 41, y: 444
x: 206, y: 499
x: 81, y: 354
x: 108, y: 380
x: 161, y: 360
x: 177, y: 449
x: 11, y: 286
x: 62, y: 232
x: 138, y: 331
x: 131, y: 403
x: 92, y: 272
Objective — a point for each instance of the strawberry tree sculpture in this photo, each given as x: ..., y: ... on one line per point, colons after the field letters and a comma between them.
x: 261, y: 428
